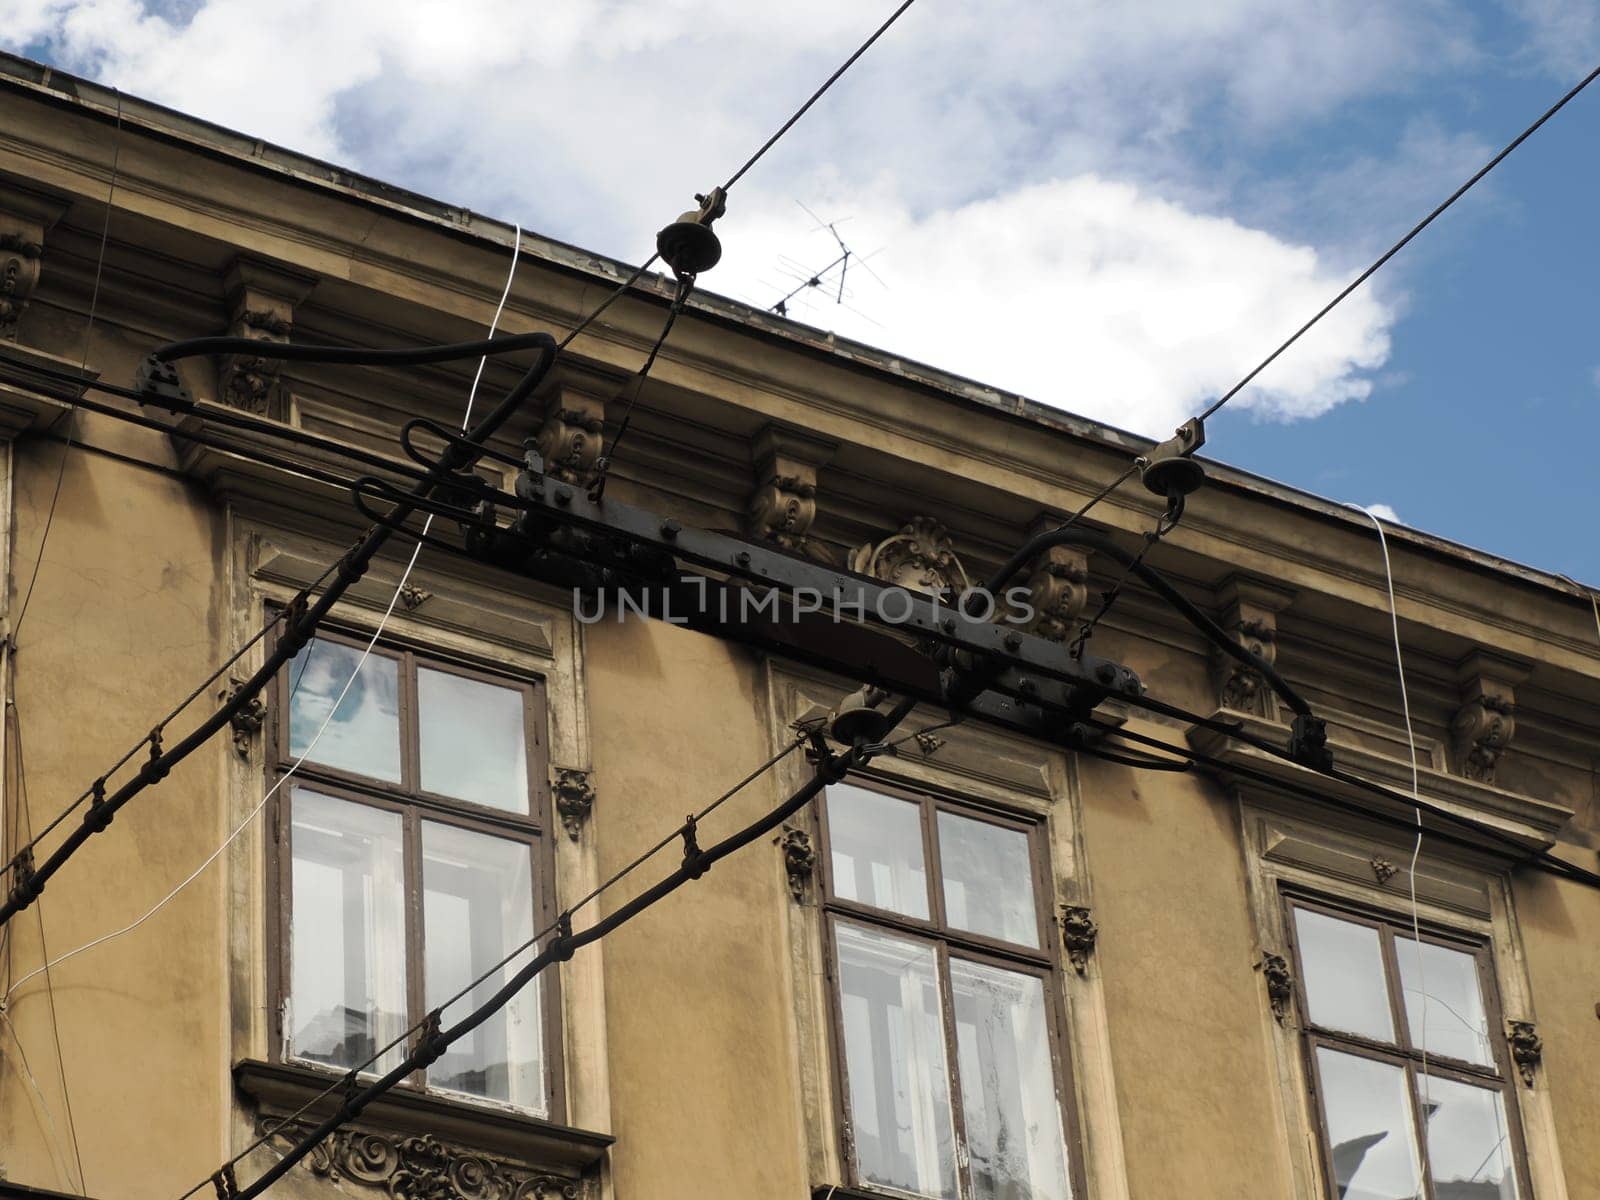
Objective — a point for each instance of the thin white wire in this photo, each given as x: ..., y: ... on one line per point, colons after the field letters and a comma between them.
x: 55, y: 1132
x: 405, y: 576
x: 1416, y: 792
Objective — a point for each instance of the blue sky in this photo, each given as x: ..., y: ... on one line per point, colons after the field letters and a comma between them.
x: 1115, y: 208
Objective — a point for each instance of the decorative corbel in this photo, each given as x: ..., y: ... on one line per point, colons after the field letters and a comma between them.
x: 1058, y: 587
x: 1250, y: 609
x: 784, y: 503
x: 25, y: 217
x: 574, y: 798
x: 919, y: 557
x: 247, y: 722
x: 799, y: 861
x: 1527, y: 1050
x: 261, y: 303
x: 1483, y: 725
x: 572, y: 435
x: 1078, y: 935
x: 1274, y: 970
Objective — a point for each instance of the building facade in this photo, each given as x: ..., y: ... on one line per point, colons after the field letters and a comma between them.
x: 984, y: 966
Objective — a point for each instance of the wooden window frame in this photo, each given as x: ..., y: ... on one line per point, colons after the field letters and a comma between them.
x: 1043, y: 962
x: 415, y: 805
x: 1500, y: 1076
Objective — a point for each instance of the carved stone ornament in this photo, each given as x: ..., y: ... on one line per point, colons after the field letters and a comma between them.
x: 1274, y: 969
x: 1527, y: 1050
x: 1058, y: 587
x: 927, y: 742
x: 572, y: 435
x: 784, y: 503
x: 1383, y: 869
x: 25, y: 217
x: 1485, y: 722
x: 574, y: 799
x: 919, y: 557
x: 799, y: 861
x: 1250, y: 614
x: 261, y: 303
x: 413, y: 597
x: 424, y: 1168
x: 1078, y: 935
x: 247, y: 722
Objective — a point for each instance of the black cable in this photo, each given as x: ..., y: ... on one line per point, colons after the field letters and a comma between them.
x: 1401, y: 244
x: 567, y: 914
x: 602, y: 467
x: 816, y: 95
x: 395, y: 356
x: 1541, y: 859
x: 299, y: 600
x: 88, y: 331
x: 351, y: 567
x: 1165, y: 525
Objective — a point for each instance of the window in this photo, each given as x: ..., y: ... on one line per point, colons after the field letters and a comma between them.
x: 1412, y: 1084
x: 947, y: 1017
x: 410, y: 860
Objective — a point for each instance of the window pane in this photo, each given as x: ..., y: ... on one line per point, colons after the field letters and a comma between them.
x: 477, y: 907
x: 1444, y: 1003
x: 348, y: 932
x: 988, y: 879
x: 1008, y: 1096
x: 1469, y: 1142
x: 364, y: 734
x: 474, y: 741
x: 1370, y: 1128
x: 876, y: 844
x: 1344, y: 975
x: 894, y: 1057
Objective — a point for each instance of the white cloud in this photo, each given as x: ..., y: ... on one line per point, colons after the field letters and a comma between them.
x: 1041, y: 176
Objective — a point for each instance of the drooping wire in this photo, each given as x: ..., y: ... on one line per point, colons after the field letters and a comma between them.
x: 333, y: 710
x: 1403, y: 242
x: 602, y: 467
x: 88, y: 331
x: 49, y: 982
x: 1167, y: 522
x: 499, y: 966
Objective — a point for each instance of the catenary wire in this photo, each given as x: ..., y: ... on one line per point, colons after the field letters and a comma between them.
x: 1108, y: 599
x: 88, y: 331
x: 38, y: 1092
x: 817, y: 95
x: 610, y: 882
x: 333, y: 710
x: 1403, y: 242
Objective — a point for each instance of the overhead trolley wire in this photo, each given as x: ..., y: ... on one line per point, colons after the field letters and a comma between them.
x: 344, y: 1081
x: 1404, y: 241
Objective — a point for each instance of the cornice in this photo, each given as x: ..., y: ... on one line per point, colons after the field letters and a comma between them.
x: 1533, y: 822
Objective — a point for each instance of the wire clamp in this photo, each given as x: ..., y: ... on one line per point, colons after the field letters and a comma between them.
x: 24, y: 891
x: 100, y: 813
x: 1308, y: 743
x: 692, y: 854
x: 429, y: 1046
x: 562, y: 949
x: 226, y: 1182
x: 158, y: 382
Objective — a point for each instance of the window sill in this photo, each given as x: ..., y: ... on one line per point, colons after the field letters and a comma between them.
x: 838, y: 1191
x: 281, y: 1088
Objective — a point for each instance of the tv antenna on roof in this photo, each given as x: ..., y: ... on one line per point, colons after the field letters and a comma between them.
x: 815, y: 279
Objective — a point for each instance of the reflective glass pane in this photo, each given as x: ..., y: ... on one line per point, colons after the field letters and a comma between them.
x: 1469, y: 1142
x: 1370, y: 1128
x: 364, y: 733
x: 347, y: 958
x: 1444, y: 1002
x: 474, y: 740
x: 1342, y: 963
x: 894, y: 1059
x: 988, y: 879
x: 876, y: 844
x: 1008, y: 1095
x: 477, y: 907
